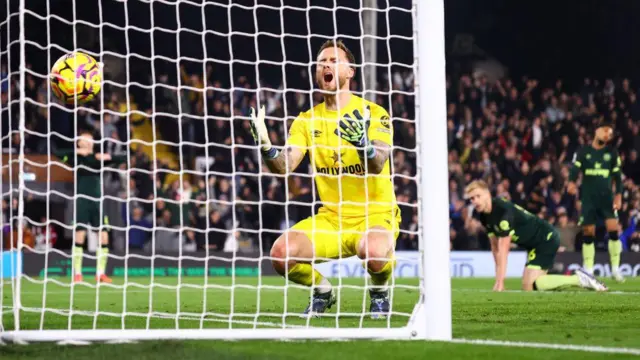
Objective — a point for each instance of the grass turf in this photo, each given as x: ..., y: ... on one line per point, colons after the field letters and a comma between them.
x: 576, y: 317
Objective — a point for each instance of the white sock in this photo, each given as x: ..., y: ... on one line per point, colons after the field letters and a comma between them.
x: 589, y: 270
x: 324, y: 287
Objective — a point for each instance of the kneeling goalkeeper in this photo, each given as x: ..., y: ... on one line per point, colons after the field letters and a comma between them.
x: 349, y: 141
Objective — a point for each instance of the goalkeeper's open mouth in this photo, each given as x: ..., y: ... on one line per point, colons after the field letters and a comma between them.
x: 327, y: 77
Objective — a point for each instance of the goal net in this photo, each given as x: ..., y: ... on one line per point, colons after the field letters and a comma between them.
x: 190, y: 212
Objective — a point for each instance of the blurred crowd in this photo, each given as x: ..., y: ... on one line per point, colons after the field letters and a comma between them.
x: 519, y: 136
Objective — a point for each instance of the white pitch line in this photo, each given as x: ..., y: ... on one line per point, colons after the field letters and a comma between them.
x: 564, y: 292
x: 585, y: 348
x: 189, y: 289
x: 120, y: 291
x: 192, y: 318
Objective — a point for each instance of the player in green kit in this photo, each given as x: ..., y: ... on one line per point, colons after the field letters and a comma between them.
x: 88, y: 194
x: 599, y: 164
x: 505, y: 223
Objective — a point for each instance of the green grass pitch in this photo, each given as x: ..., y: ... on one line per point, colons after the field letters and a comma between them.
x: 576, y: 317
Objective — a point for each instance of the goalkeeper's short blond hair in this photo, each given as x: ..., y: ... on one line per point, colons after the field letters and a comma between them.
x: 340, y: 45
x: 475, y: 185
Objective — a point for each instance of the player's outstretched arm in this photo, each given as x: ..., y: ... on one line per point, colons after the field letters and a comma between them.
x: 277, y: 162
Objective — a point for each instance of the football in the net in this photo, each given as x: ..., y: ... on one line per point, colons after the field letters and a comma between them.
x: 76, y: 78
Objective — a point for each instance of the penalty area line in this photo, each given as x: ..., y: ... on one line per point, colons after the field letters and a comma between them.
x: 585, y: 348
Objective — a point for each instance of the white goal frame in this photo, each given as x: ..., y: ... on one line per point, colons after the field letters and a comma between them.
x: 431, y: 317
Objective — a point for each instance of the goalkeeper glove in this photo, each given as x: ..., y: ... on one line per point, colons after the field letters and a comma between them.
x: 356, y: 132
x: 260, y: 133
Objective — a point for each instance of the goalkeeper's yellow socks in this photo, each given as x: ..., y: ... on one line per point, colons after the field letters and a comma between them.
x: 76, y: 259
x: 552, y: 282
x: 102, y: 253
x: 305, y: 274
x: 381, y: 278
x: 615, y: 249
x: 588, y: 256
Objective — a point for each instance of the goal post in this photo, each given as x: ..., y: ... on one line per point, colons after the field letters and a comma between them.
x: 183, y: 105
x: 431, y: 110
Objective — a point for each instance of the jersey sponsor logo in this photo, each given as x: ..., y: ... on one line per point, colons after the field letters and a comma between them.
x: 383, y: 130
x: 597, y: 172
x: 356, y: 169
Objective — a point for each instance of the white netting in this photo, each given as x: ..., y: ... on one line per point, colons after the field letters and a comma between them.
x: 192, y: 211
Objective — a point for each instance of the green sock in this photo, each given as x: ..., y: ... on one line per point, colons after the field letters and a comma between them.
x: 615, y: 248
x: 102, y: 259
x: 588, y: 256
x: 552, y: 282
x: 76, y: 259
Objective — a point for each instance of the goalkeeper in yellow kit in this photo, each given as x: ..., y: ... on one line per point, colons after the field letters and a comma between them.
x: 349, y: 143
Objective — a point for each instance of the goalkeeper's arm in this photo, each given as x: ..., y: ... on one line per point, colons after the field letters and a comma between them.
x: 277, y: 162
x: 377, y: 155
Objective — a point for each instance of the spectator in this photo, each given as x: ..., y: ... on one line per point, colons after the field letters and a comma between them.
x: 138, y: 225
x: 216, y: 233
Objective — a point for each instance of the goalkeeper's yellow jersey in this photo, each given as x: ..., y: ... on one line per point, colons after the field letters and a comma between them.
x: 344, y: 187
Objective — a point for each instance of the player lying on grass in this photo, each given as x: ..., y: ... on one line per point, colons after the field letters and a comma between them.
x: 88, y: 194
x: 349, y: 140
x: 505, y: 223
x: 599, y: 164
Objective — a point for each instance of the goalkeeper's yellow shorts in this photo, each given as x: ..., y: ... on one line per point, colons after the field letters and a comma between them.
x: 334, y: 237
